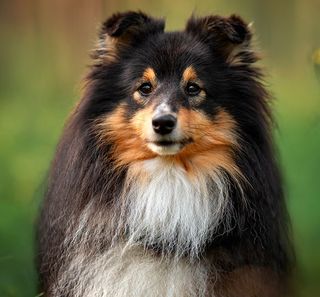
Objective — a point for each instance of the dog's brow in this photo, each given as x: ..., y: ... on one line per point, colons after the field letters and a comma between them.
x: 149, y: 75
x: 189, y: 74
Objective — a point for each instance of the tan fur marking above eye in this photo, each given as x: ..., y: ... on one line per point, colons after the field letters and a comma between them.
x: 189, y: 74
x: 149, y: 75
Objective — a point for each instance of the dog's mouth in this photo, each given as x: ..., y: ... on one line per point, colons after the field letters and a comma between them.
x: 171, y: 142
x: 182, y: 142
x: 168, y: 147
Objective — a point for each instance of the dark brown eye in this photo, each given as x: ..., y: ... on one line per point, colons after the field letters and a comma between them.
x: 192, y: 89
x: 145, y: 89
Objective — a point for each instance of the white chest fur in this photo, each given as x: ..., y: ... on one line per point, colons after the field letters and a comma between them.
x: 164, y: 205
x: 135, y: 273
x: 172, y: 209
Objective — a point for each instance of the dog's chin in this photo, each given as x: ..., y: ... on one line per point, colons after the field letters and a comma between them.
x: 165, y: 148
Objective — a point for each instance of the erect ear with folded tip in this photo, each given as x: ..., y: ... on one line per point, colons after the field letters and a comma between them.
x: 230, y: 37
x: 122, y: 30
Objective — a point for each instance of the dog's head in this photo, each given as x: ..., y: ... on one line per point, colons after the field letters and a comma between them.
x: 181, y: 95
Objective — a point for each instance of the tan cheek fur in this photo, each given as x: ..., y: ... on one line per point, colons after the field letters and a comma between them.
x: 127, y: 137
x: 213, y: 142
x: 212, y: 147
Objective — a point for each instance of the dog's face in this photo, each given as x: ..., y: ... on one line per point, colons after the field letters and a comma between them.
x: 171, y: 94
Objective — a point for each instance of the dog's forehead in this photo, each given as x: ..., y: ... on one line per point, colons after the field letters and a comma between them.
x: 173, y: 52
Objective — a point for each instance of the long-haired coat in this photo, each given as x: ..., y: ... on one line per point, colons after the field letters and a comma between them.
x: 164, y: 183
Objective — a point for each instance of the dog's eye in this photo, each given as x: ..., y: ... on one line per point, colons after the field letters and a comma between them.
x: 145, y: 89
x: 192, y: 89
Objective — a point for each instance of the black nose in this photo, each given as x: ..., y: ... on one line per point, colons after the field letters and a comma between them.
x: 164, y: 124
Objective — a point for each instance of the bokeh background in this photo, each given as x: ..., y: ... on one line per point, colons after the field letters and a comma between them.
x: 43, y: 57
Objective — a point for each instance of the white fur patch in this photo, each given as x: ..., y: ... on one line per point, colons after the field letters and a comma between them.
x: 168, y: 208
x: 165, y: 150
x: 133, y: 273
x: 171, y: 209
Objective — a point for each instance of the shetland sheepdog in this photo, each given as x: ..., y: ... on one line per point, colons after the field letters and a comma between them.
x: 165, y: 181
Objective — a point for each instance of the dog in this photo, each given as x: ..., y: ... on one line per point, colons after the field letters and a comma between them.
x: 165, y: 181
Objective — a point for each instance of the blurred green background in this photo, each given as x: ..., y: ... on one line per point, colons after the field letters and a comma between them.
x: 43, y: 56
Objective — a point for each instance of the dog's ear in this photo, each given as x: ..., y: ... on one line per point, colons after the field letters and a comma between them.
x: 123, y: 29
x: 230, y: 37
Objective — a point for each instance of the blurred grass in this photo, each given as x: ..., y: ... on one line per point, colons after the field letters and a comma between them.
x: 298, y: 139
x: 38, y: 87
x: 34, y: 104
